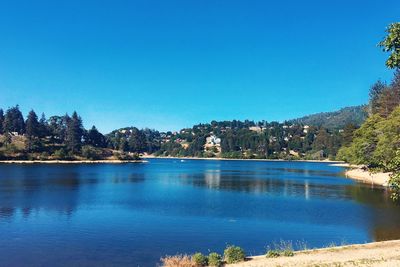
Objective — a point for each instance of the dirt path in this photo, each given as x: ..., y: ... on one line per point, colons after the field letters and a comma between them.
x: 385, y: 253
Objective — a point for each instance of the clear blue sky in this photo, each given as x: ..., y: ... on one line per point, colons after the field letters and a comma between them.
x: 171, y: 64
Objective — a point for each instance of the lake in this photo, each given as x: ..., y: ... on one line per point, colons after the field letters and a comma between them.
x: 133, y: 214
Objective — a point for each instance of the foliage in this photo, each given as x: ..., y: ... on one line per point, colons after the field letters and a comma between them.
x: 60, y: 154
x: 335, y: 120
x: 1, y: 121
x: 391, y: 43
x: 74, y: 133
x: 14, y: 121
x: 375, y: 143
x: 199, y: 259
x: 361, y: 150
x: 280, y: 249
x: 95, y: 138
x: 214, y: 259
x: 273, y: 253
x: 178, y: 261
x: 394, y: 181
x: 234, y: 254
x: 91, y: 153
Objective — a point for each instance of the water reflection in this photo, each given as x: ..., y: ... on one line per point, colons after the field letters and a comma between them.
x: 132, y: 214
x: 259, y: 184
x: 28, y: 189
x: 386, y: 219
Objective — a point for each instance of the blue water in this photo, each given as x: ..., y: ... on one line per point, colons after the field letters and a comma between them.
x: 133, y: 214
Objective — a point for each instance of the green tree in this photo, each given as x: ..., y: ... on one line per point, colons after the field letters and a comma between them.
x: 32, y: 129
x: 347, y: 135
x: 123, y: 144
x: 391, y: 44
x: 43, y: 126
x: 375, y: 94
x: 388, y: 139
x: 14, y: 121
x: 95, y: 138
x: 57, y: 128
x: 1, y: 121
x: 137, y: 141
x: 74, y: 133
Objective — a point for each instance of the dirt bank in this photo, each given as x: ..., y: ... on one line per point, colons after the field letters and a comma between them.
x: 385, y: 253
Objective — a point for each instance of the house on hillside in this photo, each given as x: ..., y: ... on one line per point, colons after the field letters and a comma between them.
x: 213, y: 143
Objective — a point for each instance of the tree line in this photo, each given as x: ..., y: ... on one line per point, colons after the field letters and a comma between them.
x: 376, y: 143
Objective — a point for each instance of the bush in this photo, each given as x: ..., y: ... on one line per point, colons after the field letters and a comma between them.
x: 199, y: 259
x: 178, y: 261
x: 91, y: 153
x: 44, y: 156
x: 126, y: 156
x: 214, y: 259
x: 281, y: 249
x: 60, y: 154
x: 273, y: 253
x: 288, y: 253
x: 234, y: 254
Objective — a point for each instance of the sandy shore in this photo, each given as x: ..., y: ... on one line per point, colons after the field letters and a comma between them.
x: 69, y: 161
x: 386, y: 253
x: 379, y: 178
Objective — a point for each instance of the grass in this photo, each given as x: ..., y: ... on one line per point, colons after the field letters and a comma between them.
x: 178, y: 261
x: 281, y: 249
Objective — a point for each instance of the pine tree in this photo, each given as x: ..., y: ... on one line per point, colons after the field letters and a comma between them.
x: 123, y: 144
x: 74, y: 133
x: 95, y: 138
x: 137, y: 141
x: 14, y: 121
x: 1, y: 121
x: 43, y: 126
x: 32, y: 129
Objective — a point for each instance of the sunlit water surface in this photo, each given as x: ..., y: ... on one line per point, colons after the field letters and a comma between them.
x: 133, y: 214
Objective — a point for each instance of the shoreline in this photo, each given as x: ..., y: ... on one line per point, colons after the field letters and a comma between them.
x: 379, y: 178
x: 232, y: 159
x: 383, y: 253
x: 69, y: 161
x: 354, y: 172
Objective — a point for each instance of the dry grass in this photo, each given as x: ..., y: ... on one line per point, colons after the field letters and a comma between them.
x: 178, y: 261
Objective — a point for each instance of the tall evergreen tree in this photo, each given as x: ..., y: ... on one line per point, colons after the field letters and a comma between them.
x: 74, y: 133
x: 1, y: 121
x: 374, y: 97
x: 43, y: 126
x: 123, y: 145
x: 95, y: 138
x: 32, y: 125
x: 32, y: 129
x: 14, y: 121
x: 137, y: 141
x: 57, y: 128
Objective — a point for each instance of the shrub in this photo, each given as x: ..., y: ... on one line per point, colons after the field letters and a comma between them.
x: 214, y: 259
x: 60, y: 154
x: 126, y: 156
x: 178, y: 261
x: 44, y: 156
x: 199, y: 259
x: 288, y: 253
x: 281, y: 249
x: 234, y: 254
x: 91, y: 153
x: 273, y: 253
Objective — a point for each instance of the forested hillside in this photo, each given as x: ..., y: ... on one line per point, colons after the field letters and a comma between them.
x: 56, y: 138
x: 335, y: 120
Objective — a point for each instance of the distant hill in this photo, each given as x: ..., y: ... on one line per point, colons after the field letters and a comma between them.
x: 336, y: 119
